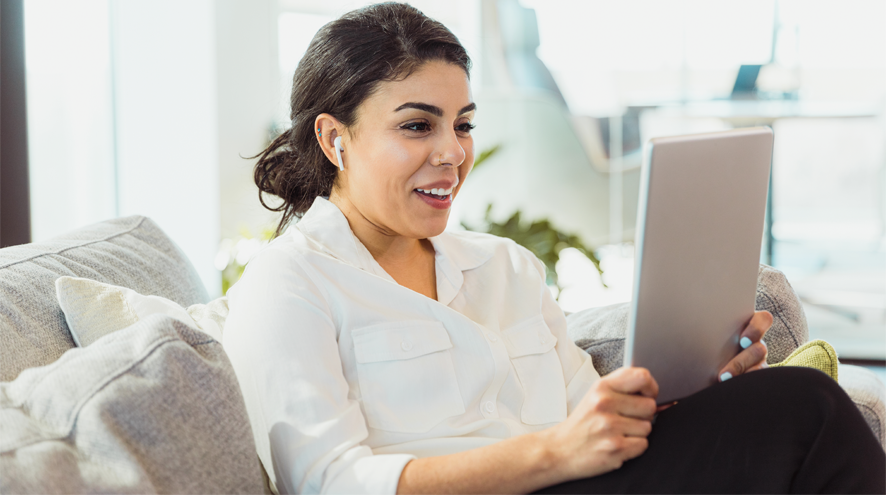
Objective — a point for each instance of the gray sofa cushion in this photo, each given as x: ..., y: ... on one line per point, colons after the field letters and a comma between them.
x: 131, y: 251
x: 152, y: 408
x: 789, y: 329
x: 601, y: 331
x: 869, y: 394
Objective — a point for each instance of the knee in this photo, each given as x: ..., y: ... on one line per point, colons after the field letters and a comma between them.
x: 806, y: 386
x: 798, y: 376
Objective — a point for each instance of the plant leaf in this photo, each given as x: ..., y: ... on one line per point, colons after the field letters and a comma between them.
x: 485, y: 155
x: 540, y: 237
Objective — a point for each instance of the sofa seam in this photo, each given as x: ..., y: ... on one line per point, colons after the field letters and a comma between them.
x: 13, y: 263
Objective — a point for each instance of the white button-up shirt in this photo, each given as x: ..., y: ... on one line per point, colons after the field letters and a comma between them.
x: 347, y: 375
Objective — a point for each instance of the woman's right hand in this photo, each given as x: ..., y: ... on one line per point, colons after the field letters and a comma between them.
x: 608, y: 427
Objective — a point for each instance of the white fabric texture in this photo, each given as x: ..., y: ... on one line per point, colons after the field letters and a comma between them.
x: 93, y: 309
x: 347, y: 375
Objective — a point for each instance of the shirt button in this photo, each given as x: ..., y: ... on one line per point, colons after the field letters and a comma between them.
x: 406, y: 345
x: 542, y: 339
x: 491, y: 337
x: 490, y: 407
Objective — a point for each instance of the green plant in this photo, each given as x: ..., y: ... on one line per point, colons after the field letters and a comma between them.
x: 485, y: 154
x: 540, y: 237
x: 234, y: 254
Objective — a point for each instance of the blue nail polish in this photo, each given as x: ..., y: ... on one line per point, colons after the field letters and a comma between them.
x: 745, y: 342
x: 725, y: 376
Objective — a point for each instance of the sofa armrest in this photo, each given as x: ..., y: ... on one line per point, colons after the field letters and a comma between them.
x: 869, y: 394
x: 789, y: 329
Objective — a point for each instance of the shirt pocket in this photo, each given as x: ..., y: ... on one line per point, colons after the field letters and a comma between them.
x: 531, y: 347
x: 406, y: 375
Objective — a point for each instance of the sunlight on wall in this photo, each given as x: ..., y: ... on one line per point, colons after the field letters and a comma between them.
x: 70, y: 115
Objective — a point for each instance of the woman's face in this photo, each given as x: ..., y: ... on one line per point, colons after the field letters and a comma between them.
x: 408, y: 153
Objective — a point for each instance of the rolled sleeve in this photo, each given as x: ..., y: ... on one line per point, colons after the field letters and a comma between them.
x: 281, y: 339
x: 358, y: 471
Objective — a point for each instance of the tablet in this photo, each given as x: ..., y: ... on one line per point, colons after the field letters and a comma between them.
x: 699, y: 232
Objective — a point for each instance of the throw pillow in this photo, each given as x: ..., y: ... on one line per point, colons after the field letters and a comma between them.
x: 94, y: 309
x: 151, y: 408
x: 129, y: 251
x: 816, y: 354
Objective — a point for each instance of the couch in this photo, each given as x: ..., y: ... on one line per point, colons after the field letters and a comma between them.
x: 155, y: 407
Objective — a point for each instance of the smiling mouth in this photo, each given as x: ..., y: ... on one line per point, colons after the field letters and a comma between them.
x: 440, y: 194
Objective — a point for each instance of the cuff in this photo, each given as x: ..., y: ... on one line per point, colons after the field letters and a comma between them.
x: 375, y: 474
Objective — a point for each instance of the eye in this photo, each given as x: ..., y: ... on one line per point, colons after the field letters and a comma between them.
x: 416, y: 126
x: 465, y: 128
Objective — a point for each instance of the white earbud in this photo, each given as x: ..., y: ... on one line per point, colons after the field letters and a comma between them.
x: 338, y: 149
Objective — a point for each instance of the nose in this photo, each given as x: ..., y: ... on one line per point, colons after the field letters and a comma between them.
x: 449, y: 151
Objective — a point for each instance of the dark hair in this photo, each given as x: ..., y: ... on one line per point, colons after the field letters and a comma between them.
x: 342, y: 67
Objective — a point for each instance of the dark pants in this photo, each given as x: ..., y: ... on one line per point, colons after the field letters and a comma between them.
x: 778, y: 430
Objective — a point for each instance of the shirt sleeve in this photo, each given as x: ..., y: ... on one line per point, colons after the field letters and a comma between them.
x: 281, y: 339
x: 578, y: 366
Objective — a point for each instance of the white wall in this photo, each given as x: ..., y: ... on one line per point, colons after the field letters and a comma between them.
x: 70, y: 119
x: 166, y: 115
x: 248, y: 101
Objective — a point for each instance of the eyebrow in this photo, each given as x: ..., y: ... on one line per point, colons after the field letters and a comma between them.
x: 432, y: 109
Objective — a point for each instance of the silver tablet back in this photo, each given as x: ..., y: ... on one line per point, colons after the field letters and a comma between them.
x: 699, y: 231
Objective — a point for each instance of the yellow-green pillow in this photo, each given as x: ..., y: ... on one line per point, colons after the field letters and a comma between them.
x: 816, y: 354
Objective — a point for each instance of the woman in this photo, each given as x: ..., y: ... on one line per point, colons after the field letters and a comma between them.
x: 379, y: 354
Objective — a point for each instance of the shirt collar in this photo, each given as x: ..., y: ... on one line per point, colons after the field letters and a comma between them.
x: 328, y: 228
x: 455, y: 254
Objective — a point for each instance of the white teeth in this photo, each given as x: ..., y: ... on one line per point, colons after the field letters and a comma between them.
x: 437, y: 192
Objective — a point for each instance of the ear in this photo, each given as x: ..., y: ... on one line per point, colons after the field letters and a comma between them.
x: 326, y: 129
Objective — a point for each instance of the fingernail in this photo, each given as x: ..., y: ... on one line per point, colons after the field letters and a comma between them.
x: 745, y: 342
x: 725, y: 376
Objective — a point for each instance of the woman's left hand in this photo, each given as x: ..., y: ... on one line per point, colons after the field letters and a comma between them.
x: 753, y: 355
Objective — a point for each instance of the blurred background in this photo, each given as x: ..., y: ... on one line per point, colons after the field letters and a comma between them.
x: 148, y: 107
